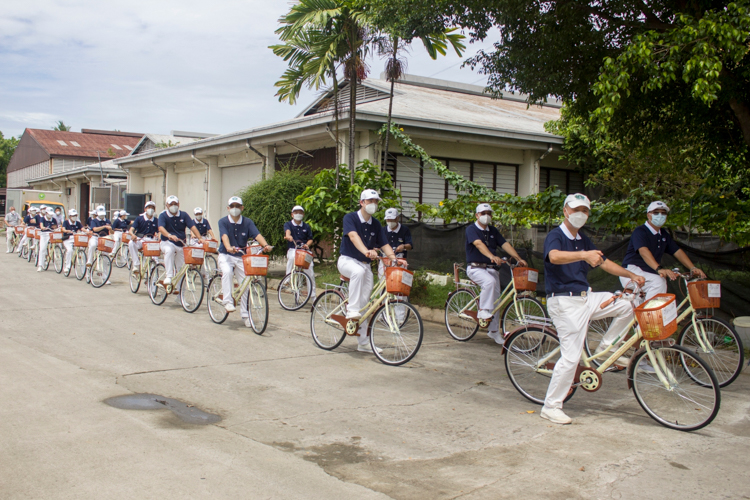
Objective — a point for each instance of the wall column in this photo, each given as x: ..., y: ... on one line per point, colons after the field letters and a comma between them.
x: 268, y: 151
x: 171, y: 188
x: 214, y: 204
x: 528, y: 173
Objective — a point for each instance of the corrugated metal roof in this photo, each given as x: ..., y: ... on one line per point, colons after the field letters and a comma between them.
x: 52, y: 142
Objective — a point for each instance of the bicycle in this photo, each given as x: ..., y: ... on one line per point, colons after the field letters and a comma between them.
x: 33, y: 244
x: 675, y: 387
x: 296, y: 288
x: 101, y: 265
x: 256, y: 267
x: 122, y: 252
x: 189, y: 278
x: 711, y: 338
x: 78, y: 259
x: 210, y: 267
x: 149, y: 254
x: 54, y: 252
x: 23, y: 252
x: 521, y: 307
x: 15, y: 237
x: 394, y: 340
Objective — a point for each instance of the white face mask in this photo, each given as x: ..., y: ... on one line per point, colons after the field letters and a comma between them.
x: 48, y: 216
x: 658, y: 220
x: 578, y: 219
x: 150, y: 212
x: 73, y: 218
x: 173, y: 209
x: 199, y: 218
x: 371, y: 208
x: 485, y: 219
x: 393, y: 225
x: 235, y: 212
x: 298, y: 217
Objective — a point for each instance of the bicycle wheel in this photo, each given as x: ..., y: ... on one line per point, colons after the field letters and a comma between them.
x: 68, y: 270
x: 100, y: 270
x: 294, y: 291
x: 31, y: 255
x: 47, y: 258
x: 209, y: 263
x: 526, y: 310
x: 214, y: 301
x: 135, y: 281
x: 191, y: 290
x: 24, y: 253
x: 691, y: 397
x: 597, y: 329
x: 80, y: 264
x: 257, y: 307
x: 57, y: 257
x: 721, y: 348
x: 325, y: 335
x: 395, y: 337
x: 461, y: 329
x: 525, y: 349
x: 121, y: 257
x: 157, y: 292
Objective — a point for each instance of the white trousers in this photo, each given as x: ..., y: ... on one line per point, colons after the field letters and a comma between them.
x: 360, y: 288
x: 9, y: 230
x: 173, y: 256
x: 231, y: 265
x: 118, y: 238
x: 43, y: 241
x: 489, y: 281
x: 24, y: 239
x: 571, y: 316
x: 69, y: 248
x: 309, y: 271
x: 91, y: 249
x: 654, y: 283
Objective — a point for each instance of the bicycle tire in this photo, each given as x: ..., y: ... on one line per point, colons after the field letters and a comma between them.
x: 684, y: 392
x: 297, y: 299
x: 460, y: 329
x: 80, y: 264
x: 57, y: 259
x: 23, y: 252
x: 100, y: 276
x: 524, y: 349
x: 191, y: 294
x: 728, y: 356
x: 216, y: 310
x: 390, y: 347
x: 326, y: 336
x: 596, y: 330
x: 47, y: 259
x: 134, y: 281
x: 529, y: 307
x: 257, y: 310
x: 31, y: 254
x: 121, y: 257
x: 67, y: 272
x: 158, y: 294
x: 212, y: 267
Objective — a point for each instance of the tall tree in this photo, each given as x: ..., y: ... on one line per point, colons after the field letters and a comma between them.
x: 7, y: 147
x: 60, y: 126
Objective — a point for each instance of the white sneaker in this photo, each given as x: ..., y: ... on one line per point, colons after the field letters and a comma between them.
x: 230, y: 307
x: 39, y: 269
x: 66, y: 270
x: 248, y: 323
x: 555, y: 415
x: 167, y: 281
x: 367, y: 348
x: 497, y: 337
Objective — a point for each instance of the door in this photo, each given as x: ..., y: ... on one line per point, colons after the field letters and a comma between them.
x: 83, y: 206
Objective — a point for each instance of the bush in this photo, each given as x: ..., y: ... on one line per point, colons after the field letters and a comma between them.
x: 269, y: 204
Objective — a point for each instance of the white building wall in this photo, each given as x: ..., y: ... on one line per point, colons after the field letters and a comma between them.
x: 18, y: 178
x: 235, y: 179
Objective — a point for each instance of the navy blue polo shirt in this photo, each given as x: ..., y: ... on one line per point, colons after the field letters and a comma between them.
x: 203, y: 226
x: 68, y: 226
x: 238, y: 233
x: 658, y: 244
x: 302, y: 233
x: 120, y: 224
x: 401, y: 236
x: 175, y: 225
x: 571, y: 277
x: 144, y: 227
x: 31, y: 221
x: 491, y: 237
x: 96, y: 222
x: 48, y: 225
x: 370, y: 232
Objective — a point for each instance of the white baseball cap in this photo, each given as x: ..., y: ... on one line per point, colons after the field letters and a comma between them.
x: 391, y: 213
x: 234, y: 199
x: 198, y: 210
x: 172, y: 199
x: 50, y: 211
x: 72, y: 212
x: 483, y: 207
x: 655, y: 205
x: 298, y: 207
x: 101, y: 211
x: 116, y: 214
x: 92, y: 212
x: 123, y: 212
x: 43, y: 207
x: 577, y: 200
x: 369, y: 194
x: 150, y: 204
x: 33, y: 209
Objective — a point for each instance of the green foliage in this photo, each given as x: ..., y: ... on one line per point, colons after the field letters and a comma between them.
x: 7, y: 147
x: 326, y: 205
x: 167, y: 144
x: 269, y: 204
x: 60, y: 126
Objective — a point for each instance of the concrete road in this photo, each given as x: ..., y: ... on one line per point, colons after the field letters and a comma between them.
x: 299, y: 422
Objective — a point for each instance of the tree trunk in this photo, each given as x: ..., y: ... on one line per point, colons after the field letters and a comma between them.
x: 742, y: 113
x: 390, y: 107
x: 336, y: 119
x: 352, y: 121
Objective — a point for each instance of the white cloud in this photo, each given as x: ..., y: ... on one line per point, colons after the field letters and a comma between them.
x: 150, y: 66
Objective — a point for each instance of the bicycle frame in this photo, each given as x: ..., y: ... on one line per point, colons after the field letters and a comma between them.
x: 377, y: 297
x: 509, y: 293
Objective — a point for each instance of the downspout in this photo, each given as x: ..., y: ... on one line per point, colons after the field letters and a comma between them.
x: 205, y: 184
x: 101, y: 170
x: 537, y: 162
x: 164, y: 181
x: 265, y: 160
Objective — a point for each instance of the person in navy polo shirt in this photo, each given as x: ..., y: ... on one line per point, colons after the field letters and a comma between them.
x: 362, y: 235
x: 173, y: 224
x: 101, y: 226
x: 235, y: 231
x: 144, y: 228
x: 47, y: 224
x: 298, y: 230
x: 119, y: 225
x: 398, y: 237
x: 31, y: 220
x: 647, y: 246
x: 202, y: 225
x: 482, y: 241
x: 71, y: 226
x: 568, y: 258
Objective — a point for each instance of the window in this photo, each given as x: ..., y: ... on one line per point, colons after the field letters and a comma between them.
x: 128, y: 148
x: 61, y: 143
x: 74, y: 143
x: 116, y: 147
x: 568, y: 181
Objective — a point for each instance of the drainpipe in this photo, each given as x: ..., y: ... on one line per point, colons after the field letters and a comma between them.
x: 205, y: 184
x: 101, y: 170
x: 164, y: 181
x: 265, y: 160
x: 539, y: 160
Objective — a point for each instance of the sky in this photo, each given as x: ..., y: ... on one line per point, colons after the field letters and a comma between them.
x: 156, y: 66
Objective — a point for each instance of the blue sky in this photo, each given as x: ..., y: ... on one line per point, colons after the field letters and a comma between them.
x: 154, y: 66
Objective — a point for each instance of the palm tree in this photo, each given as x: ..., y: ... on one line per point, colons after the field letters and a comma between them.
x: 62, y: 127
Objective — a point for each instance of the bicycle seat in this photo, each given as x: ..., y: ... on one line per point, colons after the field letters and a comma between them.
x: 344, y: 278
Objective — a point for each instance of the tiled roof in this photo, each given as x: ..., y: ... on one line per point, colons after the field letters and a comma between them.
x: 80, y: 145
